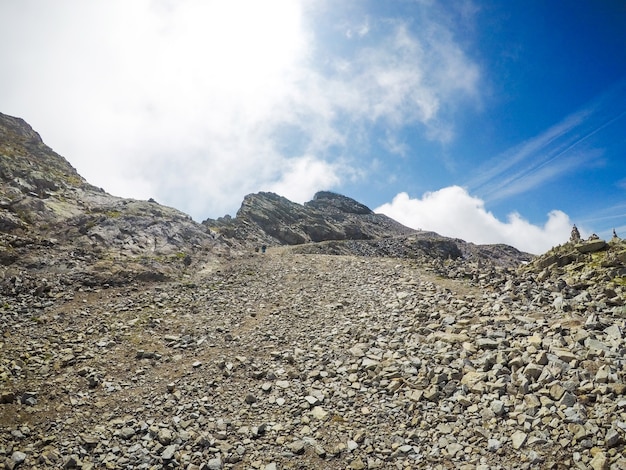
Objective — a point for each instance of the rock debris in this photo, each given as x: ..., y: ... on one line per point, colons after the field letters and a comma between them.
x: 286, y: 360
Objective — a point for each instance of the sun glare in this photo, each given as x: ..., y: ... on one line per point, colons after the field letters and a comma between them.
x: 245, y: 45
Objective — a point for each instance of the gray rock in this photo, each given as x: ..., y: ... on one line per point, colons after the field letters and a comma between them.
x: 497, y: 406
x: 216, y: 464
x: 518, y: 439
x: 612, y: 438
x: 165, y: 436
x: 18, y: 457
x: 126, y: 432
x: 168, y: 452
x: 297, y: 447
x: 493, y: 445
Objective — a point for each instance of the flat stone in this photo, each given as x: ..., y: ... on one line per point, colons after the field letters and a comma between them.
x: 614, y: 332
x: 596, y: 345
x: 518, y: 439
x: 599, y: 461
x: 356, y: 351
x: 168, y: 452
x: 474, y: 381
x: 297, y: 447
x: 318, y: 412
x: 369, y: 364
x: 127, y: 432
x: 454, y: 448
x: 357, y: 464
x: 487, y: 343
x: 565, y: 355
x: 311, y: 400
x: 215, y: 463
x: 493, y: 445
x: 18, y: 457
x: 497, y: 406
x: 591, y: 246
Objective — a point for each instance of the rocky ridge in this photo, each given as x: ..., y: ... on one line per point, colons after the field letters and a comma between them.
x: 267, y: 218
x: 338, y: 225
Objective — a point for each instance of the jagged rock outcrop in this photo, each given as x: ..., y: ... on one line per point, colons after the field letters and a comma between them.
x: 593, y: 266
x: 338, y: 225
x: 267, y: 218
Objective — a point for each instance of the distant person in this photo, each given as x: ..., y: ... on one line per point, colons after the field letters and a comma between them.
x: 263, y: 248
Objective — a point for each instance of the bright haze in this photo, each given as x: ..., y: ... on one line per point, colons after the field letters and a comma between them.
x: 490, y: 121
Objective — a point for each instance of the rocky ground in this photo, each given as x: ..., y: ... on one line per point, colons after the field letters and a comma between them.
x: 289, y: 360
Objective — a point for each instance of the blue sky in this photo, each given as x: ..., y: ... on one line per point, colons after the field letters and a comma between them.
x: 491, y: 121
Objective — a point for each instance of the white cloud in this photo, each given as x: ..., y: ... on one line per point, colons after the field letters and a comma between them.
x: 557, y: 151
x: 197, y: 103
x: 303, y: 177
x: 453, y: 212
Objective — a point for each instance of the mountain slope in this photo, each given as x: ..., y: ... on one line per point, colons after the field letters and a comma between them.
x: 55, y: 225
x: 52, y: 220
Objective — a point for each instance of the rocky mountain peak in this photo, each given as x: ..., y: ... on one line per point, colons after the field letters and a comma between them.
x: 28, y: 167
x: 267, y: 218
x: 333, y: 202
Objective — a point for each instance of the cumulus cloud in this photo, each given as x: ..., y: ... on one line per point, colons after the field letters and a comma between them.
x: 198, y: 103
x: 453, y: 212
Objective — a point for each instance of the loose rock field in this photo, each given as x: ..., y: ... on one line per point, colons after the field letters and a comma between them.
x: 286, y: 360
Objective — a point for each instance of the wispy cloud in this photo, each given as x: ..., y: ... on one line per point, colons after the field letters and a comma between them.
x: 560, y: 150
x: 197, y: 103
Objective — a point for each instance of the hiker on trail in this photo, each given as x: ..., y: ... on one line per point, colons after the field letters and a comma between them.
x: 263, y: 248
